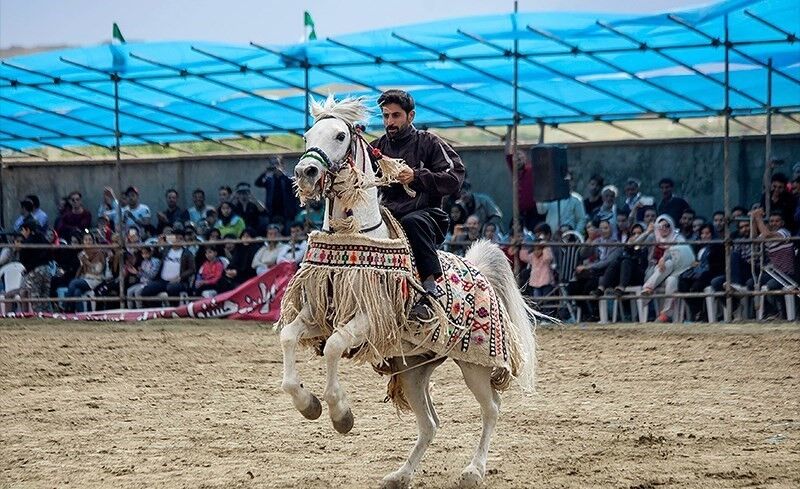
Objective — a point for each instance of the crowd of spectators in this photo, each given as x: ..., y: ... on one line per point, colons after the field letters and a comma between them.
x: 667, y: 245
x: 164, y: 251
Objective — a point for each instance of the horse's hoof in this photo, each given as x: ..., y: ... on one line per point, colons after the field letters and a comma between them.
x: 313, y: 410
x: 345, y: 424
x: 470, y: 478
x: 396, y: 481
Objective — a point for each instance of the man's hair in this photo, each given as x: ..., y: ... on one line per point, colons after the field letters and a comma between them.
x: 171, y: 190
x: 777, y: 213
x: 75, y: 192
x: 689, y: 210
x: 598, y: 179
x: 718, y: 213
x: 27, y: 204
x: 542, y: 228
x: 668, y: 181
x: 780, y: 177
x: 33, y: 198
x: 399, y: 97
x: 199, y: 191
x: 738, y: 208
x: 225, y: 187
x: 29, y: 224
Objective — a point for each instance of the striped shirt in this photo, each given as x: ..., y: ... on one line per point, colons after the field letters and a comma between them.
x: 781, y: 253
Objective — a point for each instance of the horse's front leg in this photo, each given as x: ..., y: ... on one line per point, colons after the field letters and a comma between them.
x: 351, y: 335
x: 304, y: 401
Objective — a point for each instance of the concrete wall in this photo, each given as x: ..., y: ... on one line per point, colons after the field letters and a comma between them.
x: 694, y: 164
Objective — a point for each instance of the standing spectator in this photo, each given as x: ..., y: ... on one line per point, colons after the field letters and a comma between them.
x: 229, y: 222
x: 173, y: 213
x: 608, y: 207
x: 25, y: 214
x: 209, y: 223
x: 135, y: 214
x: 11, y: 253
x: 595, y: 198
x: 676, y: 259
x: 602, y: 256
x: 541, y: 280
x: 197, y: 212
x: 635, y: 203
x: 248, y: 207
x: 36, y: 281
x: 270, y: 253
x: 520, y: 163
x: 685, y: 224
x: 670, y: 205
x: 224, y: 195
x: 781, y: 200
x: 295, y: 251
x: 210, y: 271
x: 75, y: 219
x: 280, y: 202
x: 146, y: 272
x: 109, y: 208
x: 177, y: 270
x: 565, y: 212
x: 480, y: 205
x: 89, y: 275
x: 780, y: 253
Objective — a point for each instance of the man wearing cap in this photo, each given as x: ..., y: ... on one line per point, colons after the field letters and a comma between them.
x: 280, y: 202
x: 435, y: 171
x: 135, y: 214
x: 248, y: 207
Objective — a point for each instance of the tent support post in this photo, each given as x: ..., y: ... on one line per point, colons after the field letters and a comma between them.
x: 726, y: 179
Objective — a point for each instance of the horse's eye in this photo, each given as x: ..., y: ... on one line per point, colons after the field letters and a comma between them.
x: 341, y: 136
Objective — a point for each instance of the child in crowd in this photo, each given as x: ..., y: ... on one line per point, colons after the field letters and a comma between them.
x: 147, y: 272
x: 540, y: 258
x: 210, y: 271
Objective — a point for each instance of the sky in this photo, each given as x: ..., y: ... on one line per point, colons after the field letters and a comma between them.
x: 31, y: 23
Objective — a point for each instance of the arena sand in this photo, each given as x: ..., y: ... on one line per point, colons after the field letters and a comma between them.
x: 198, y: 405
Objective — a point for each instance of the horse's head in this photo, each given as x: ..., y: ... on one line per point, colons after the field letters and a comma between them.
x: 329, y: 145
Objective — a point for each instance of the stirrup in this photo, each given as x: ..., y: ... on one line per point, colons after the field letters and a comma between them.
x: 421, y: 312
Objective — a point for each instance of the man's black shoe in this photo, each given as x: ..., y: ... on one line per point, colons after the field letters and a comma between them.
x: 421, y: 311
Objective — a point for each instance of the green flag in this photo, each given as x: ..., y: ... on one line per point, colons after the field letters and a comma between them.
x: 116, y: 35
x: 308, y: 22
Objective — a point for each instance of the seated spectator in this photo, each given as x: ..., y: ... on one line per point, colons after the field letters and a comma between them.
x: 608, y: 208
x: 36, y: 281
x: 457, y: 216
x: 76, y: 218
x: 676, y: 259
x: 177, y: 270
x: 650, y: 216
x: 697, y: 223
x: 781, y: 256
x: 213, y: 234
x: 135, y: 214
x: 248, y: 207
x: 209, y: 223
x: 10, y: 254
x: 541, y: 261
x: 670, y: 205
x: 173, y: 213
x: 595, y: 198
x: 145, y: 273
x: 718, y: 220
x: 89, y: 274
x: 480, y: 205
x: 491, y: 233
x: 268, y: 255
x: 473, y: 228
x: 280, y: 201
x: 623, y: 228
x: 229, y: 222
x: 30, y: 208
x: 685, y: 224
x: 103, y: 231
x: 109, y: 208
x: 241, y: 268
x: 589, y: 272
x: 210, y: 272
x: 197, y: 212
x: 224, y: 195
x: 627, y: 264
x: 190, y: 236
x: 228, y: 249
x: 565, y: 212
x: 710, y: 263
x: 295, y: 250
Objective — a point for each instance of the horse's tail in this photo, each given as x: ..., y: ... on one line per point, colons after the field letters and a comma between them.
x: 490, y: 260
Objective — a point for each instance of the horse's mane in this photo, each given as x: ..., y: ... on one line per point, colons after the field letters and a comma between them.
x: 350, y: 110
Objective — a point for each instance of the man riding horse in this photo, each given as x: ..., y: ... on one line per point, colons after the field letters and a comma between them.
x: 435, y: 172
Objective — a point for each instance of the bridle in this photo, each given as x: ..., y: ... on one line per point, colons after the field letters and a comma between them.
x: 332, y: 170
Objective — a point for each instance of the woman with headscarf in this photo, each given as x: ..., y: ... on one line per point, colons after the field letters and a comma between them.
x: 677, y: 258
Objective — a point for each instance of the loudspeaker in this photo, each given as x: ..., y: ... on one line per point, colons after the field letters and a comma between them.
x: 549, y: 171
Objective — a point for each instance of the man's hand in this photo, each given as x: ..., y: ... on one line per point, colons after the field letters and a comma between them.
x: 580, y: 268
x: 162, y: 217
x: 757, y: 213
x: 405, y: 176
x: 231, y: 273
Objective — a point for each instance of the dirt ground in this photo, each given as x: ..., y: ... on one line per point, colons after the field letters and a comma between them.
x: 198, y: 404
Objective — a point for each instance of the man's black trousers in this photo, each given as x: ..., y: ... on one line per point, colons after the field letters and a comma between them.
x: 425, y: 229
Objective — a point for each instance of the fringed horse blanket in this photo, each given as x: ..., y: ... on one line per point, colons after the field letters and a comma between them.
x: 343, y: 275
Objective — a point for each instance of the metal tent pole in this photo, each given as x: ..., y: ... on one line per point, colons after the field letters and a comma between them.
x: 768, y: 144
x: 727, y: 176
x: 516, y: 228
x: 118, y: 171
x: 307, y: 91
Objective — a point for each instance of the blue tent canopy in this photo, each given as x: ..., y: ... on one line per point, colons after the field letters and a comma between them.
x: 571, y: 68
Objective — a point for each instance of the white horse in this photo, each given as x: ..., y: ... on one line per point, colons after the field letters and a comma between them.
x: 333, y: 143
